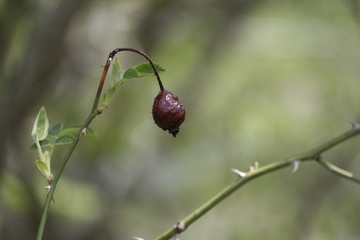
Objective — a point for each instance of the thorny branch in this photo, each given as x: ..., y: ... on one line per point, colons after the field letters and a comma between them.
x: 256, y: 171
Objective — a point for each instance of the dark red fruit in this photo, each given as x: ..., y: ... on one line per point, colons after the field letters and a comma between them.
x: 168, y: 112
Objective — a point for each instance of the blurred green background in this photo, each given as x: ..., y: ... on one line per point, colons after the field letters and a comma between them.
x: 260, y: 80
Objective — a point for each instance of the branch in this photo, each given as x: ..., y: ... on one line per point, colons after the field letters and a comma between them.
x: 339, y: 171
x: 93, y: 113
x: 256, y: 172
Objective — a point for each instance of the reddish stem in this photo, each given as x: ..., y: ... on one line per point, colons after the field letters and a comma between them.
x: 107, y: 65
x: 112, y: 54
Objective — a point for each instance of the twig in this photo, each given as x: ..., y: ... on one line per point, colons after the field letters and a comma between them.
x: 339, y: 171
x: 93, y: 113
x: 313, y: 154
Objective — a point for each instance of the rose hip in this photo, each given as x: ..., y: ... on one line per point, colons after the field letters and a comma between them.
x: 168, y: 112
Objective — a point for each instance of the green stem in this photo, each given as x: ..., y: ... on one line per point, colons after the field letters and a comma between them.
x: 339, y: 171
x: 93, y: 113
x: 50, y: 194
x: 253, y: 174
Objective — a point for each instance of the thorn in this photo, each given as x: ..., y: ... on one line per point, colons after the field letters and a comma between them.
x: 239, y: 173
x: 48, y: 187
x: 137, y: 238
x: 254, y: 167
x: 355, y: 126
x: 295, y: 165
x: 180, y: 227
x: 83, y: 132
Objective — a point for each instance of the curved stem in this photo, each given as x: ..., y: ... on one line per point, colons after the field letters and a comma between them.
x: 339, y: 171
x: 93, y: 113
x: 313, y: 154
x: 112, y: 54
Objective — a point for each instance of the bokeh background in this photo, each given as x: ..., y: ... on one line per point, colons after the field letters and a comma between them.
x: 261, y: 80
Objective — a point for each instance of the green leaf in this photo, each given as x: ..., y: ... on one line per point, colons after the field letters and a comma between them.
x: 142, y: 70
x: 47, y: 157
x: 74, y: 131
x: 116, y: 82
x: 43, y: 144
x: 115, y: 73
x: 63, y: 140
x: 41, y: 126
x: 43, y: 168
x: 146, y: 69
x: 118, y: 77
x: 108, y: 96
x: 66, y: 139
x: 56, y: 129
x: 131, y: 73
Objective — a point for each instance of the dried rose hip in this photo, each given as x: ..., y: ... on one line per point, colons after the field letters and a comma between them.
x: 168, y: 112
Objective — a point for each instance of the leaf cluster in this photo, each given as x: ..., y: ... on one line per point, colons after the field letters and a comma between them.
x: 47, y: 138
x: 119, y: 77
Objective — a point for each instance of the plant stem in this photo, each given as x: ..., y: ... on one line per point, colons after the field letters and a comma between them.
x: 313, y: 154
x: 93, y: 113
x: 53, y: 185
x: 339, y: 171
x: 112, y: 54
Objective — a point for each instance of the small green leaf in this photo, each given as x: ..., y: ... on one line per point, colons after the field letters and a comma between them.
x: 43, y: 168
x: 115, y: 73
x: 74, y: 131
x: 118, y: 77
x: 66, y: 139
x: 131, y: 73
x: 108, y: 96
x: 43, y: 144
x: 41, y: 126
x: 116, y: 82
x: 142, y: 70
x: 47, y: 157
x: 55, y: 130
x: 146, y: 69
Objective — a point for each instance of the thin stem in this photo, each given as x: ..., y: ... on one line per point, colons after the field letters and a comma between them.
x: 101, y: 84
x: 253, y: 174
x: 50, y: 194
x: 93, y: 113
x: 112, y: 54
x: 335, y: 141
x: 339, y: 171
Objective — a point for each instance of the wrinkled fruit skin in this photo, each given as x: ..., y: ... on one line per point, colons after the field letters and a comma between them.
x: 168, y: 112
